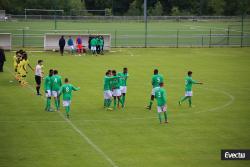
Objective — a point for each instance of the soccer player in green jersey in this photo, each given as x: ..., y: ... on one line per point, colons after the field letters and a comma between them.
x: 66, y: 90
x: 123, y: 84
x: 56, y: 84
x: 156, y: 80
x: 188, y: 88
x: 115, y: 84
x: 161, y: 97
x: 93, y: 44
x: 107, y: 90
x: 101, y: 44
x: 47, y: 89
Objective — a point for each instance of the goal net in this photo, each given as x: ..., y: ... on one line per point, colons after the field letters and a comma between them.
x: 50, y: 13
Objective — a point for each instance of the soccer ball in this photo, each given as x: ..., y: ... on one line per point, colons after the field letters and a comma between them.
x: 53, y: 50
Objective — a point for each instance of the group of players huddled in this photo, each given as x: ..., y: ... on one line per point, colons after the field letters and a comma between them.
x: 52, y: 82
x: 21, y: 63
x: 53, y: 87
x: 115, y: 87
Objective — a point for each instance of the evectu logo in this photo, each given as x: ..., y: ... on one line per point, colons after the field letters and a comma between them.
x: 235, y: 154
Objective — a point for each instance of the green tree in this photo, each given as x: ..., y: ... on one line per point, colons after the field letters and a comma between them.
x: 216, y: 7
x: 134, y: 10
x: 157, y: 10
x: 175, y: 11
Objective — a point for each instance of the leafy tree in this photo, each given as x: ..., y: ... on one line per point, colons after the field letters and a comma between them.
x: 134, y: 10
x: 175, y: 11
x: 216, y: 7
x: 157, y: 10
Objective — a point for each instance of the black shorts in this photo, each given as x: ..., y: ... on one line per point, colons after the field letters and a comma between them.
x: 38, y: 80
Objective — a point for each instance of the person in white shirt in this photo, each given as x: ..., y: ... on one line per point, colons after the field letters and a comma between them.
x: 38, y: 76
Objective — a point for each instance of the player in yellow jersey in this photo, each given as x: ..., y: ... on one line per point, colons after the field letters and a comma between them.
x: 16, y: 60
x: 23, y: 68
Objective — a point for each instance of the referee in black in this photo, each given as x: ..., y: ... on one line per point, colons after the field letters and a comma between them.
x: 38, y: 76
x: 62, y: 44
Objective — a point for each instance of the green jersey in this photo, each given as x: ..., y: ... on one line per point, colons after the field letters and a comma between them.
x: 189, y: 83
x: 66, y: 90
x: 161, y: 97
x: 56, y: 82
x: 107, y: 85
x: 156, y: 80
x: 93, y: 42
x: 115, y: 82
x: 123, y: 78
x: 101, y: 42
x: 47, y: 83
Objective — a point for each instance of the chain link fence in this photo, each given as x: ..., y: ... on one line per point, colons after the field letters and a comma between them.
x: 163, y: 31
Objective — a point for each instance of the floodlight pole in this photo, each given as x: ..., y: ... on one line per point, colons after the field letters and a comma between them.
x: 242, y: 29
x: 146, y: 22
x: 25, y: 13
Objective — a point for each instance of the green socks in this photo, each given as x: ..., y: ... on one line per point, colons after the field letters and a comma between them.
x: 159, y: 116
x: 190, y: 101
x: 114, y: 103
x: 123, y: 101
x: 105, y: 103
x: 150, y: 103
x: 165, y: 115
x: 48, y: 104
x: 109, y: 101
x: 67, y: 111
x: 184, y: 98
x: 120, y: 100
x: 57, y: 104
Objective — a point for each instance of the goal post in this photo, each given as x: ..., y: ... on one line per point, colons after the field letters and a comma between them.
x: 42, y: 11
x: 5, y: 41
x: 51, y: 40
x: 101, y: 12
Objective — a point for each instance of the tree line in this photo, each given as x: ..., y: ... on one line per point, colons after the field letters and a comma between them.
x: 132, y: 7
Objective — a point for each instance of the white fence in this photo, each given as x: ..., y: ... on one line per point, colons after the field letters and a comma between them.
x: 5, y: 41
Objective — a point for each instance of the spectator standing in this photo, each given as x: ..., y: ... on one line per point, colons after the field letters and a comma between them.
x: 2, y: 59
x: 101, y: 44
x: 98, y: 47
x: 71, y: 45
x: 62, y: 44
x: 93, y: 45
x: 79, y: 45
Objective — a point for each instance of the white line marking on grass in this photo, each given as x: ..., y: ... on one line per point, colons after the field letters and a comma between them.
x: 82, y: 134
x: 131, y: 54
x: 218, y: 28
x: 232, y: 98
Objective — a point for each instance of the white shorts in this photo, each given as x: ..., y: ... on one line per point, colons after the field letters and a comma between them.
x: 48, y: 93
x: 55, y: 93
x: 123, y: 89
x: 93, y: 48
x: 161, y: 109
x: 66, y: 103
x: 117, y: 92
x: 188, y: 93
x: 72, y: 47
x: 107, y: 94
x: 154, y: 90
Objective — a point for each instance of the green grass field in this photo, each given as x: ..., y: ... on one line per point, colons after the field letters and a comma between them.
x: 131, y: 138
x: 164, y: 33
